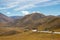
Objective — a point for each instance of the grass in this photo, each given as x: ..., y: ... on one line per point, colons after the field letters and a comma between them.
x: 31, y: 36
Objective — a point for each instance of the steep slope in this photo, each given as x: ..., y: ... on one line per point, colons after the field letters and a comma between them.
x: 52, y: 24
x: 4, y: 20
x: 31, y: 20
x: 40, y: 21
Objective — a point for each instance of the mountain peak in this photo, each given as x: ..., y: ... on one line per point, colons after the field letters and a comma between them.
x: 4, y: 18
x: 37, y: 15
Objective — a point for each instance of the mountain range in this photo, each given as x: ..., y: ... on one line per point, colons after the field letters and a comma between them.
x: 4, y: 18
x: 16, y: 17
x: 40, y: 21
x: 30, y: 21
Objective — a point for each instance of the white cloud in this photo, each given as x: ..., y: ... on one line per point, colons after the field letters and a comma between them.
x: 25, y: 12
x: 42, y: 3
x: 36, y: 12
x: 30, y: 4
x: 11, y: 5
x: 2, y: 8
x: 14, y: 3
x: 8, y: 13
x: 49, y: 3
x: 25, y: 7
x: 27, y: 4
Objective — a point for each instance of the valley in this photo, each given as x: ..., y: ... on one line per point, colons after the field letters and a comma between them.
x: 22, y: 28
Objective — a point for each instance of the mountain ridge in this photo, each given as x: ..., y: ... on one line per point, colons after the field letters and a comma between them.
x: 34, y: 20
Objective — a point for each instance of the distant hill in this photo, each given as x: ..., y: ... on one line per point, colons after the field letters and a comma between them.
x: 30, y: 21
x: 4, y: 18
x: 16, y: 17
x: 58, y: 15
x: 52, y: 24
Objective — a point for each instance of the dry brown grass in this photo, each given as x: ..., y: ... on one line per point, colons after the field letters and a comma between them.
x: 31, y: 36
x: 53, y: 25
x: 27, y: 35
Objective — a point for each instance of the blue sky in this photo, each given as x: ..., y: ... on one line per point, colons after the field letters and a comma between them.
x: 24, y: 7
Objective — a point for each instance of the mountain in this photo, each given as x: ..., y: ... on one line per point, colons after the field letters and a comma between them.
x: 52, y: 24
x: 58, y: 15
x: 31, y: 20
x: 4, y: 20
x: 16, y: 17
x: 40, y: 21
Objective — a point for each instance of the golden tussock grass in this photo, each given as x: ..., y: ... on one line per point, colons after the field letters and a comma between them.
x: 31, y: 36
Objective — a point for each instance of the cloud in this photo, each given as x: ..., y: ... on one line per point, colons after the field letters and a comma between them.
x: 30, y: 4
x: 25, y: 12
x: 25, y: 7
x: 26, y: 4
x: 14, y: 3
x: 11, y: 5
x: 36, y: 12
x: 49, y: 3
x: 38, y: 3
x: 2, y: 8
x: 8, y: 4
x: 8, y: 13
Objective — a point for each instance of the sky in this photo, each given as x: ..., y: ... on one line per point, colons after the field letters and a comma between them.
x: 25, y: 7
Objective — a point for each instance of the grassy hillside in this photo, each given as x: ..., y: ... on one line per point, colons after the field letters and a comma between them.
x: 13, y: 33
x: 53, y: 24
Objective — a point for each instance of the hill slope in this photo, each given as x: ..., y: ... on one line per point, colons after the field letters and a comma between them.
x: 40, y: 21
x: 53, y: 24
x: 4, y: 20
x: 31, y: 20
